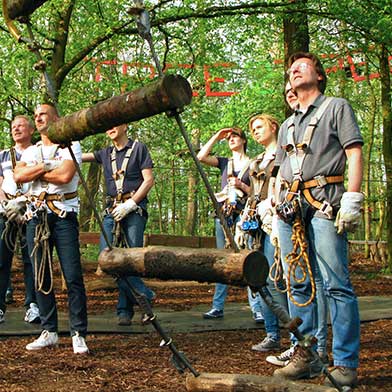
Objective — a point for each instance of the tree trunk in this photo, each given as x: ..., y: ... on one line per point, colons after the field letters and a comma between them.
x: 86, y: 210
x: 217, y: 382
x: 203, y: 265
x: 387, y: 143
x: 367, y: 166
x: 295, y: 34
x: 168, y: 93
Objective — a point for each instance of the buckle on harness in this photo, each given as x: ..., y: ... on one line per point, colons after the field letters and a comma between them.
x: 326, y: 209
x: 62, y: 214
x: 321, y: 181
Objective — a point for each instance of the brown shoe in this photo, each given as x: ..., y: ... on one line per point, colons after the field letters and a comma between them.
x: 344, y: 376
x: 301, y: 365
x: 124, y: 320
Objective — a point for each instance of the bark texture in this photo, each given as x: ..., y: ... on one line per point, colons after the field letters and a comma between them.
x: 167, y: 263
x: 169, y: 93
x: 220, y: 382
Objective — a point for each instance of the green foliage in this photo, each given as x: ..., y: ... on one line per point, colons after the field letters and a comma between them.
x: 206, y: 41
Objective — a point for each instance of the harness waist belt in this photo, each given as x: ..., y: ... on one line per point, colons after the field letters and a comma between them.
x: 320, y: 181
x: 61, y: 197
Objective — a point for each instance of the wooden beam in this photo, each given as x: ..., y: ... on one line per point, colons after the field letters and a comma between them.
x: 167, y: 263
x: 166, y: 94
x: 22, y: 8
x: 220, y: 382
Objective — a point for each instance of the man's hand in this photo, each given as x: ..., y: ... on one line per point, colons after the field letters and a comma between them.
x: 123, y: 209
x: 50, y: 165
x: 349, y: 216
x: 15, y: 209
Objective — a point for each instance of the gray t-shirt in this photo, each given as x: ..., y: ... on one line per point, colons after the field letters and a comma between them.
x: 336, y: 130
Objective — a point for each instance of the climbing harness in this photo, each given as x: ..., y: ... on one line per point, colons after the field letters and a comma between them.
x: 290, y: 210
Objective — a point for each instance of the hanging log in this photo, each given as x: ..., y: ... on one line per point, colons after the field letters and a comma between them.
x: 166, y: 263
x: 218, y: 382
x: 22, y: 8
x: 168, y: 93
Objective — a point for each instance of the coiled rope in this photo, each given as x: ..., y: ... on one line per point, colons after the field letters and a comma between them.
x: 41, y: 241
x: 298, y: 259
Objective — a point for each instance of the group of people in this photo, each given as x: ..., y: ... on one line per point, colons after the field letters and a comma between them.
x: 300, y: 173
x: 40, y: 205
x: 298, y: 181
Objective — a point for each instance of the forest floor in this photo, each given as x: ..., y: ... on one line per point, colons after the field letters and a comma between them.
x: 119, y: 363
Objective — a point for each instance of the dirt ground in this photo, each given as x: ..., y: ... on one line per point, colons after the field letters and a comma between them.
x: 119, y: 363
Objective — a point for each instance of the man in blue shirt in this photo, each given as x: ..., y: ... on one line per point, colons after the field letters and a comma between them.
x: 127, y: 168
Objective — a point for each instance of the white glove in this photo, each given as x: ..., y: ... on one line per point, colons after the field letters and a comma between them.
x: 51, y: 164
x: 265, y: 213
x: 349, y: 216
x: 240, y: 237
x: 263, y: 208
x: 15, y: 209
x: 123, y: 209
x: 274, y: 236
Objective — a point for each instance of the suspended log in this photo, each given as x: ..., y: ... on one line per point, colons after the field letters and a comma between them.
x: 218, y: 382
x: 169, y: 93
x: 22, y: 8
x: 166, y: 263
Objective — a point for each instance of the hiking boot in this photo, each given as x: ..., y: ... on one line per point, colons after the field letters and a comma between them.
x: 281, y: 359
x: 2, y: 316
x: 324, y: 357
x: 258, y: 317
x: 79, y: 344
x: 302, y: 365
x: 32, y: 314
x: 124, y: 320
x: 213, y: 314
x: 344, y: 376
x: 46, y: 339
x: 268, y: 344
x: 9, y: 298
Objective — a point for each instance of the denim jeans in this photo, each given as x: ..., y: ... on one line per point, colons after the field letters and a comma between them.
x: 133, y: 226
x: 271, y: 322
x: 64, y: 236
x: 221, y: 290
x: 328, y: 253
x: 6, y: 256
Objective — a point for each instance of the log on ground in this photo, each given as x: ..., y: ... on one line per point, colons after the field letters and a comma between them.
x: 175, y: 263
x: 221, y: 382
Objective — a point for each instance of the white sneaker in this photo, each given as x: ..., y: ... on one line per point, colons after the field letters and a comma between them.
x: 79, y: 344
x: 46, y: 339
x: 2, y: 316
x: 282, y: 359
x: 32, y: 314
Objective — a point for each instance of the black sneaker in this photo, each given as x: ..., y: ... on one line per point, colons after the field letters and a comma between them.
x: 213, y: 314
x: 9, y: 297
x: 124, y: 320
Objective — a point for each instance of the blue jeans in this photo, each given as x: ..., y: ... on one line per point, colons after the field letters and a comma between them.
x: 6, y: 256
x: 328, y: 253
x: 64, y: 236
x: 133, y: 226
x: 221, y: 289
x: 271, y: 322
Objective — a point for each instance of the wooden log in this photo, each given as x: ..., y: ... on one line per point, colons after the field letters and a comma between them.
x: 22, y: 8
x: 175, y: 263
x: 169, y: 93
x: 219, y: 382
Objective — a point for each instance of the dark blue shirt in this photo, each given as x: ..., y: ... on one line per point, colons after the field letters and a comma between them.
x: 139, y: 160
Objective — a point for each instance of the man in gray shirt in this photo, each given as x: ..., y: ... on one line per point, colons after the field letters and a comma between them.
x: 314, y: 146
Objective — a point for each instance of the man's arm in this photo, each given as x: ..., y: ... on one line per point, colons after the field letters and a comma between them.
x: 355, y: 167
x: 2, y: 194
x: 147, y: 184
x: 24, y: 173
x: 62, y: 174
x: 88, y: 157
